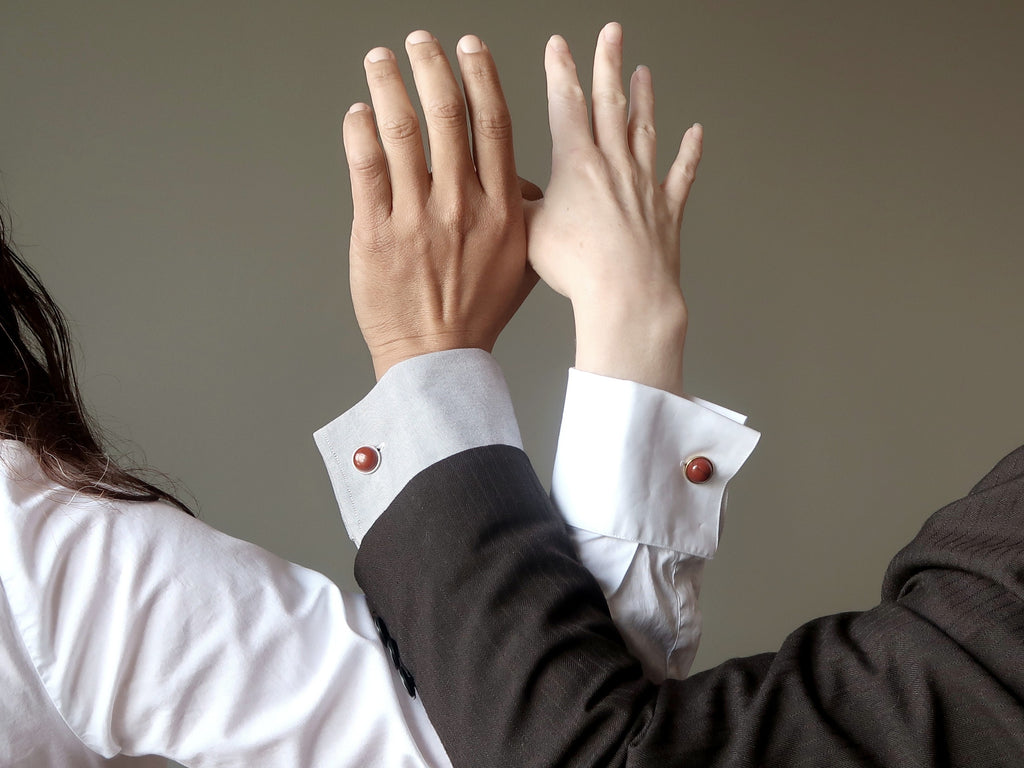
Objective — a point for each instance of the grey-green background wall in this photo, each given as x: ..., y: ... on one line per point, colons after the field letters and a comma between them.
x: 852, y: 253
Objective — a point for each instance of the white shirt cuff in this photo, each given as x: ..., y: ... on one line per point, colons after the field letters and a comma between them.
x: 622, y: 449
x: 422, y: 411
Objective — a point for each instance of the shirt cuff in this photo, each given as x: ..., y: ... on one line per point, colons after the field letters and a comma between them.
x: 422, y: 411
x: 621, y: 454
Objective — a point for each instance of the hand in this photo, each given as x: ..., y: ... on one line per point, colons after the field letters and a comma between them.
x: 437, y: 259
x: 606, y: 234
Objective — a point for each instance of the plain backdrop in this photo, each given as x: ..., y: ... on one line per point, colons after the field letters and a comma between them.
x: 851, y: 257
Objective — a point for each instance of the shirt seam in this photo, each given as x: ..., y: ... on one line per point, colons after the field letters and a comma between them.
x: 678, y: 618
x: 640, y: 542
x: 34, y: 663
x: 347, y: 486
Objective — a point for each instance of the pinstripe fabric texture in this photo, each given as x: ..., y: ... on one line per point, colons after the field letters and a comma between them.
x: 518, y: 662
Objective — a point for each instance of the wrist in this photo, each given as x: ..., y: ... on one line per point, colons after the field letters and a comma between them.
x: 386, y: 356
x: 634, y: 342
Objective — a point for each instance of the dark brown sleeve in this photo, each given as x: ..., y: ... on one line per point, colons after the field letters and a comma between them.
x: 512, y: 648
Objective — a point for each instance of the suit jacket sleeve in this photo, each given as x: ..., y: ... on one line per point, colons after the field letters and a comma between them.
x: 519, y: 664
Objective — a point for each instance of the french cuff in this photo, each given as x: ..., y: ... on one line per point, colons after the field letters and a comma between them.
x: 422, y: 411
x: 621, y: 464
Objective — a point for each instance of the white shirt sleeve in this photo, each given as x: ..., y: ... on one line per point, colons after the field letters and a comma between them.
x: 642, y: 529
x: 154, y: 634
x: 640, y: 526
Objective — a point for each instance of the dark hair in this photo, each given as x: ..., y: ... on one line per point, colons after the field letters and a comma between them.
x: 40, y: 405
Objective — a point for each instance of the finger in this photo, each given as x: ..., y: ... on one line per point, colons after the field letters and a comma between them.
x: 642, y: 143
x: 367, y: 167
x: 398, y: 125
x: 444, y: 109
x: 609, y: 102
x: 489, y: 117
x: 528, y: 190
x: 567, y: 106
x: 684, y: 170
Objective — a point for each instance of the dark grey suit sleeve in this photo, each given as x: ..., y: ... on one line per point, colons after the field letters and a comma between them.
x: 509, y: 640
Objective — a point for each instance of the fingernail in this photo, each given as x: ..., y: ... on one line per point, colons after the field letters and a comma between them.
x: 358, y: 107
x: 419, y: 36
x: 471, y: 44
x: 643, y: 74
x: 378, y: 54
x: 612, y: 32
x: 557, y: 43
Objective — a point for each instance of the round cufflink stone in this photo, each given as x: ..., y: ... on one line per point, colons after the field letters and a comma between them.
x: 366, y: 459
x: 699, y: 470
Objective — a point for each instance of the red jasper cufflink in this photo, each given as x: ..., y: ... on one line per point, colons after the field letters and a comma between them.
x: 366, y: 459
x: 698, y: 470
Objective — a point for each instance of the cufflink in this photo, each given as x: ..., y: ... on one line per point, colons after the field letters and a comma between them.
x: 698, y: 470
x: 366, y: 459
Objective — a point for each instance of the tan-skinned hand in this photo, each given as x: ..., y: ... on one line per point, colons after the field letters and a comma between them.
x: 607, y: 232
x: 437, y: 258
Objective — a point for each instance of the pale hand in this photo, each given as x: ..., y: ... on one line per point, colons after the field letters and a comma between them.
x: 607, y: 232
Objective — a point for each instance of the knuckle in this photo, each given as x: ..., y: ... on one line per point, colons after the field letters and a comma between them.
x: 587, y: 159
x: 581, y: 160
x: 628, y: 176
x: 688, y: 172
x: 371, y: 239
x: 455, y: 216
x: 494, y: 124
x: 447, y: 114
x: 429, y: 54
x: 399, y: 128
x: 479, y: 72
x: 570, y: 94
x: 408, y: 234
x: 644, y: 129
x: 384, y: 74
x: 367, y: 166
x: 509, y: 216
x: 502, y: 211
x: 610, y: 98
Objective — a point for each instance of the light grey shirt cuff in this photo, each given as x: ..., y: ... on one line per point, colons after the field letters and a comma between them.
x: 422, y: 411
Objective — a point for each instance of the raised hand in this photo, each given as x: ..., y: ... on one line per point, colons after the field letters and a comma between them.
x: 437, y: 257
x: 606, y: 234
